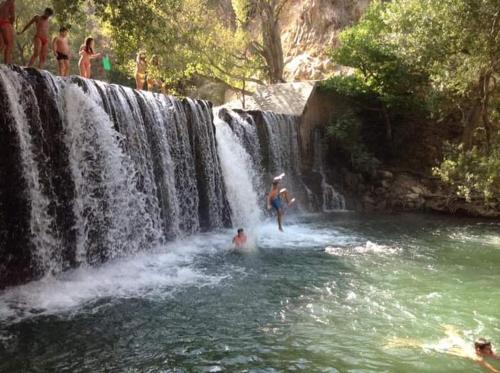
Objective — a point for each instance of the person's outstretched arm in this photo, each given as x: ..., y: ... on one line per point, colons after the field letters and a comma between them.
x: 489, y: 367
x: 33, y: 20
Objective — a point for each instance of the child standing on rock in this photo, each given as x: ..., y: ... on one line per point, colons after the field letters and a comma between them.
x: 60, y: 46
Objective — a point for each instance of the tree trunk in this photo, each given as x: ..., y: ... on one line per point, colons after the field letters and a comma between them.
x: 271, y: 38
x: 470, y: 122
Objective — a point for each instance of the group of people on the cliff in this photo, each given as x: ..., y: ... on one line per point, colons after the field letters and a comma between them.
x: 41, y: 38
x: 147, y: 73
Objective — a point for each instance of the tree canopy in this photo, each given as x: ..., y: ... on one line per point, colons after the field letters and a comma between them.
x: 442, y: 57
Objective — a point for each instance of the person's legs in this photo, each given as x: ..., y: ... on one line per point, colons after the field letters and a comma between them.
x: 280, y: 218
x: 7, y: 32
x: 66, y: 67
x: 88, y: 70
x: 139, y: 82
x: 43, y: 55
x: 37, y: 46
x: 60, y: 67
x: 2, y: 43
x: 81, y: 66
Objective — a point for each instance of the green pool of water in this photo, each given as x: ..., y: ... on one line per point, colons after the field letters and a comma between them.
x: 328, y: 295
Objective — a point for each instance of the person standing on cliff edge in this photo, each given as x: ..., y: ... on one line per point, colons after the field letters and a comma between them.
x: 41, y: 38
x: 7, y: 19
x: 60, y: 47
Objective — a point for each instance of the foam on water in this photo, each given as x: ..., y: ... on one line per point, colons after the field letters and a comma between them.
x: 240, y: 178
x: 368, y: 248
x: 154, y: 275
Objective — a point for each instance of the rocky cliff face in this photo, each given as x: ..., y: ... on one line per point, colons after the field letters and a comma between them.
x: 310, y: 29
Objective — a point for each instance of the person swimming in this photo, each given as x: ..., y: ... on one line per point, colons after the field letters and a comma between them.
x: 454, y: 344
x: 41, y: 38
x: 240, y: 239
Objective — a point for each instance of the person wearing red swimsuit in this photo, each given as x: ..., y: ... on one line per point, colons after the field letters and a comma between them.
x: 86, y: 56
x: 41, y: 38
x: 7, y: 18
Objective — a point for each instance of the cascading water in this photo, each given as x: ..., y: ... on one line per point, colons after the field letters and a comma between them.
x: 253, y: 148
x: 91, y: 171
x: 331, y: 199
x: 240, y: 173
x: 111, y: 216
x: 24, y: 127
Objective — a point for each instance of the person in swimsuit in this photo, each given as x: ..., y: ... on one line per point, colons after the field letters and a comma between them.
x: 454, y: 344
x: 279, y: 199
x: 140, y: 70
x: 60, y: 46
x: 41, y: 38
x: 7, y: 18
x: 240, y: 239
x: 86, y: 56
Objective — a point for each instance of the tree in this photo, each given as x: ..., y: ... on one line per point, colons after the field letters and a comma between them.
x: 382, y: 71
x: 267, y: 44
x: 445, y: 57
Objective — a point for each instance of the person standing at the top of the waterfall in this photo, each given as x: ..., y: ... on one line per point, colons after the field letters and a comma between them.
x: 7, y: 18
x: 279, y: 199
x: 86, y: 56
x: 141, y: 67
x: 41, y: 38
x: 60, y: 47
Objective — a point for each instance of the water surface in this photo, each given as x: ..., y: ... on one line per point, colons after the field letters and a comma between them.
x: 327, y: 295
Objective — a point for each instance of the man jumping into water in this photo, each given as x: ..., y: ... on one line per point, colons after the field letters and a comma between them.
x: 41, y: 38
x: 7, y: 19
x: 279, y: 199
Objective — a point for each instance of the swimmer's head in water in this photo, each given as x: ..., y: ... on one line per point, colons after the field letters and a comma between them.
x: 483, y: 346
x: 240, y: 230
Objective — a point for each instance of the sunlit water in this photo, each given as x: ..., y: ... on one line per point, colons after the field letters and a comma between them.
x: 325, y: 296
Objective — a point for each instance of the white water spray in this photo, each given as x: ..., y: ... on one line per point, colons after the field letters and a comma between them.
x: 240, y: 178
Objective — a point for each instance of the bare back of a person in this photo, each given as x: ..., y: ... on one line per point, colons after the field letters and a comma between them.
x: 141, y: 66
x: 42, y: 27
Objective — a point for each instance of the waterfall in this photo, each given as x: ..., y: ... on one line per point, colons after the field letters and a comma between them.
x: 91, y: 171
x: 240, y: 171
x: 331, y: 199
x: 25, y: 127
x: 111, y: 216
x: 253, y: 148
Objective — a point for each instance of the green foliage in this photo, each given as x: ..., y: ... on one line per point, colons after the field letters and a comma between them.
x: 471, y: 172
x: 346, y: 133
x: 440, y: 59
